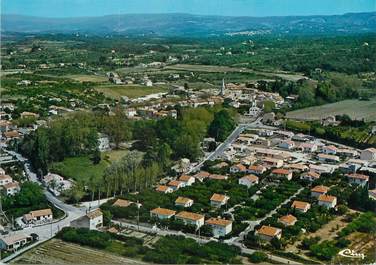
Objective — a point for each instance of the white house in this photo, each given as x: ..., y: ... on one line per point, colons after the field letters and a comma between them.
x: 92, y: 220
x: 328, y: 158
x: 162, y: 213
x: 189, y: 218
x: 183, y: 202
x: 282, y: 173
x: 256, y: 169
x: 329, y: 150
x: 38, y: 217
x: 310, y: 176
x: 220, y: 227
x: 301, y: 206
x: 164, y: 189
x: 308, y: 147
x: 327, y: 201
x: 319, y: 190
x: 272, y: 162
x: 11, y: 188
x: 187, y: 180
x: 269, y: 232
x: 249, y: 180
x: 5, y: 179
x: 238, y: 168
x: 13, y: 242
x: 288, y: 220
x: 103, y: 142
x: 358, y: 179
x: 217, y: 200
x: 368, y: 154
x: 287, y: 145
x: 176, y: 184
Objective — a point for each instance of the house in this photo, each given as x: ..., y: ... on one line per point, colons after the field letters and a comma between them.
x: 38, y: 217
x: 267, y: 233
x: 92, y: 220
x: 249, y: 180
x: 238, y: 168
x: 220, y: 165
x: 282, y: 173
x: 372, y: 194
x: 347, y: 152
x: 327, y: 201
x: 358, y: 179
x: 301, y: 206
x: 310, y: 176
x: 220, y: 227
x: 321, y: 168
x: 319, y: 190
x: 175, y: 184
x: 189, y: 218
x: 14, y: 242
x: 297, y: 167
x: 164, y: 189
x: 287, y: 145
x: 368, y: 154
x: 308, y: 147
x: 329, y: 150
x: 328, y: 158
x: 256, y: 169
x: 11, y: 188
x: 300, y: 137
x: 183, y: 202
x: 122, y: 203
x: 162, y: 213
x: 218, y: 177
x: 217, y: 200
x: 26, y: 114
x: 187, y: 180
x: 272, y: 162
x: 5, y: 179
x: 103, y: 142
x: 201, y: 175
x: 11, y: 135
x: 288, y: 220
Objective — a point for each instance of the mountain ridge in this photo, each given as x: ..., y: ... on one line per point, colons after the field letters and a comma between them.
x: 184, y: 24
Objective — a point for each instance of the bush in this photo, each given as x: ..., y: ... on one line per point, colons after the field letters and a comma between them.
x: 258, y: 257
x: 85, y: 237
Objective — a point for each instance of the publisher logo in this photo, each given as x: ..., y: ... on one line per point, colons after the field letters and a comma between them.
x: 348, y: 253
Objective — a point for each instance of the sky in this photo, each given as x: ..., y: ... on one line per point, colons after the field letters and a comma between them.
x: 79, y: 8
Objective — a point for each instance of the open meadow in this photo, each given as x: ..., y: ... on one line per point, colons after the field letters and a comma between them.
x: 356, y: 109
x: 131, y: 91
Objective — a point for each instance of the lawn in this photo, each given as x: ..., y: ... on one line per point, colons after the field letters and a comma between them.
x: 356, y: 109
x: 79, y: 168
x: 131, y: 91
x: 82, y: 168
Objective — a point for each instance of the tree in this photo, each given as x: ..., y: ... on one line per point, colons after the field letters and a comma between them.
x: 107, y: 217
x: 96, y: 157
x: 268, y: 106
x: 222, y: 125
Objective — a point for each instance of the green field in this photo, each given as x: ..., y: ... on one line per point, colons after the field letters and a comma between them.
x: 82, y: 168
x: 131, y: 91
x: 79, y: 168
x: 88, y: 78
x: 356, y: 109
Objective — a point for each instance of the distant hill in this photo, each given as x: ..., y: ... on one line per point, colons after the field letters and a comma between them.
x: 193, y: 25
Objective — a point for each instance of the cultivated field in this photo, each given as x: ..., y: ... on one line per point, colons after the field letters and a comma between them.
x: 58, y: 252
x: 356, y: 109
x: 133, y: 91
x: 88, y: 78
